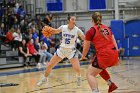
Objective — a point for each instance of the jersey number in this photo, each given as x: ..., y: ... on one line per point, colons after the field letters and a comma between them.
x: 67, y: 41
x: 105, y: 32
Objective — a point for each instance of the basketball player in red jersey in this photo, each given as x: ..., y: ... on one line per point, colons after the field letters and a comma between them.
x: 106, y: 56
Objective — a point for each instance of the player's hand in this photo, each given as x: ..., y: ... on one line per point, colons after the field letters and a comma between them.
x: 47, y: 31
x: 83, y: 59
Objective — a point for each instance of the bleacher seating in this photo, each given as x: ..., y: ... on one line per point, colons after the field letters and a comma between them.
x: 9, y: 58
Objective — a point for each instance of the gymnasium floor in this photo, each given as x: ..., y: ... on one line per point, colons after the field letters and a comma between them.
x: 63, y: 80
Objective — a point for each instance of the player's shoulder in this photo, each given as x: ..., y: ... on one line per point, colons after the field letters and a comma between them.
x: 64, y: 26
x: 91, y: 29
x: 105, y: 26
x: 77, y: 28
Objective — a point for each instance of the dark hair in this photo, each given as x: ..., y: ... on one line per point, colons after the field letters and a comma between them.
x: 97, y: 18
x: 50, y: 16
x: 29, y: 39
x: 69, y: 16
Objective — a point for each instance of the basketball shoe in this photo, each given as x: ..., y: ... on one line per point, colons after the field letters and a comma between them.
x: 112, y: 87
x: 79, y: 81
x: 42, y: 81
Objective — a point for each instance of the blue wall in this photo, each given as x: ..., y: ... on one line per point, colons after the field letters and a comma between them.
x: 129, y: 35
x: 54, y: 5
x: 97, y: 4
x: 117, y: 27
x: 133, y: 32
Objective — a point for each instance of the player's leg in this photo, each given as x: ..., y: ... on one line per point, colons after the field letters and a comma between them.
x: 92, y: 72
x: 112, y: 59
x: 105, y: 75
x: 54, y: 60
x: 76, y: 66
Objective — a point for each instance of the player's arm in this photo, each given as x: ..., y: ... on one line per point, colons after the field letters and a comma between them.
x: 82, y: 37
x: 88, y: 38
x: 86, y: 46
x: 57, y: 31
x: 49, y: 31
x: 114, y: 41
x: 81, y: 34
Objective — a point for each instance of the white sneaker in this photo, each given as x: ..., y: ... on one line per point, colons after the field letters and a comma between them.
x: 39, y: 65
x: 42, y: 81
x: 78, y: 81
x: 95, y: 91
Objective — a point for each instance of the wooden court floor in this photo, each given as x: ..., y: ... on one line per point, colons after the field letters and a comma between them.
x: 63, y: 80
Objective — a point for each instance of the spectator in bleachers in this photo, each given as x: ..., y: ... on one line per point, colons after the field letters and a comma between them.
x: 20, y: 13
x: 44, y: 48
x: 37, y: 44
x: 47, y: 41
x: 16, y: 24
x: 17, y: 4
x: 38, y: 21
x: 42, y: 58
x: 34, y: 33
x: 48, y: 20
x: 11, y: 20
x: 120, y: 49
x: 17, y: 38
x: 9, y: 36
x: 32, y: 50
x: 29, y: 33
x: 32, y: 23
x: 11, y: 3
x: 24, y: 51
x: 2, y: 29
x: 10, y: 16
x: 24, y: 27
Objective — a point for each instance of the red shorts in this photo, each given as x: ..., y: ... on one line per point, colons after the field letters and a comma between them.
x: 105, y: 58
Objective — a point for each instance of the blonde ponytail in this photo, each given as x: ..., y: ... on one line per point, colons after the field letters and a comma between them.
x: 97, y: 18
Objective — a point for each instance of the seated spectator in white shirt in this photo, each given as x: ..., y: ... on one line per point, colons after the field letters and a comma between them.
x: 17, y: 39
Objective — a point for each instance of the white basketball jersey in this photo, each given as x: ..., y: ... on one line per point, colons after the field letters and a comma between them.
x: 69, y: 36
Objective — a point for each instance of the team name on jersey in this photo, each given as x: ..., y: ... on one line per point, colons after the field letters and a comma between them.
x: 68, y: 35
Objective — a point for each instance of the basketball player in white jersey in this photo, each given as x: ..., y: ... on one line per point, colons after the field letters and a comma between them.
x: 67, y: 49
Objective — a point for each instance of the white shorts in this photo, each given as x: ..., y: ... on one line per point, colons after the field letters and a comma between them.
x: 66, y: 52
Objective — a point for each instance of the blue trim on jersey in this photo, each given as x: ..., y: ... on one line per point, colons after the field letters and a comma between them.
x: 74, y: 54
x: 56, y: 53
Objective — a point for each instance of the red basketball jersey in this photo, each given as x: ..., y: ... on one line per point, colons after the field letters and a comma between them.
x: 106, y: 53
x: 100, y: 42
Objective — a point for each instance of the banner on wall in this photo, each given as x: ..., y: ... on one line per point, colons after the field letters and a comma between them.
x: 54, y: 5
x: 96, y: 4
